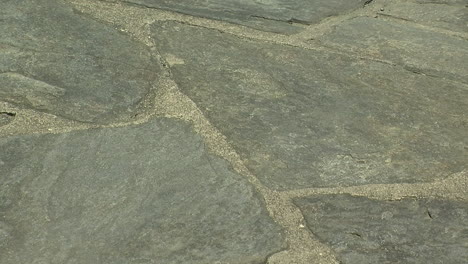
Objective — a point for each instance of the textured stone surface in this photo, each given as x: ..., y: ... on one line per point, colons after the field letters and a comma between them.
x: 443, y: 56
x: 138, y: 194
x: 56, y: 60
x: 371, y: 100
x: 270, y: 15
x: 446, y: 2
x: 431, y: 13
x: 302, y: 118
x: 361, y: 230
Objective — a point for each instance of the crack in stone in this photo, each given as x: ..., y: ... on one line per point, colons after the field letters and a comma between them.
x: 395, y: 17
x: 439, y: 3
x: 289, y: 21
x: 420, y: 71
x: 355, y: 234
x: 11, y: 114
x: 429, y: 213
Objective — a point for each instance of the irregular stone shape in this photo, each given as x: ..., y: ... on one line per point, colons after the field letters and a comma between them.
x: 419, y: 50
x: 303, y: 118
x: 141, y: 194
x: 451, y: 17
x: 6, y: 117
x: 270, y: 15
x: 64, y: 63
x: 361, y: 230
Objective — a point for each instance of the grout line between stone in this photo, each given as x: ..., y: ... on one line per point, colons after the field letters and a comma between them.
x: 115, y: 13
x: 134, y: 14
x: 302, y: 248
x: 455, y: 187
x: 172, y: 103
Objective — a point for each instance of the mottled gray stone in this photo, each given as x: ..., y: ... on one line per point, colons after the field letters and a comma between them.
x: 140, y: 194
x: 361, y: 230
x: 451, y: 17
x: 270, y: 15
x: 303, y: 118
x: 418, y: 50
x: 56, y: 60
x: 6, y: 117
x: 445, y: 2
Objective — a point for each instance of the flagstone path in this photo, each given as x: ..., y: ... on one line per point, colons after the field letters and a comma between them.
x: 209, y: 131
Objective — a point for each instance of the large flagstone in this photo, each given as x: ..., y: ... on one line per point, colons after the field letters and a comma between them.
x: 147, y: 193
x: 57, y: 60
x: 365, y: 231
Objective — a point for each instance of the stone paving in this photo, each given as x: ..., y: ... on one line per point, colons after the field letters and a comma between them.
x: 209, y: 131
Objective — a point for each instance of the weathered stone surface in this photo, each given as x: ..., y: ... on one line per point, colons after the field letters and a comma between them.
x: 446, y: 2
x: 419, y: 50
x: 270, y: 15
x: 6, y: 117
x: 56, y: 60
x: 361, y: 230
x: 451, y: 17
x: 302, y: 118
x: 141, y: 194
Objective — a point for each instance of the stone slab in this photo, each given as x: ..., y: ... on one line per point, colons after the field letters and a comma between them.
x: 69, y: 65
x: 140, y: 194
x: 303, y: 118
x: 434, y: 14
x: 419, y: 50
x: 269, y: 15
x: 362, y: 230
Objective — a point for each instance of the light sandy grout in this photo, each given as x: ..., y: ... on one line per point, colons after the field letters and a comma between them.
x: 453, y: 187
x: 174, y: 104
x: 133, y: 15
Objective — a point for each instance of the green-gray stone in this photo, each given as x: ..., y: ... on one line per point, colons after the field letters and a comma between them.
x: 56, y: 60
x: 270, y: 15
x: 304, y: 118
x: 421, y: 51
x: 440, y: 2
x: 430, y: 13
x: 365, y: 231
x: 147, y: 193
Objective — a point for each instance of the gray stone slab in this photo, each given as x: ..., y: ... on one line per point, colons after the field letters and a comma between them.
x: 361, y: 230
x: 269, y: 15
x: 140, y: 194
x: 56, y: 60
x: 420, y: 50
x: 451, y: 17
x: 302, y: 118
